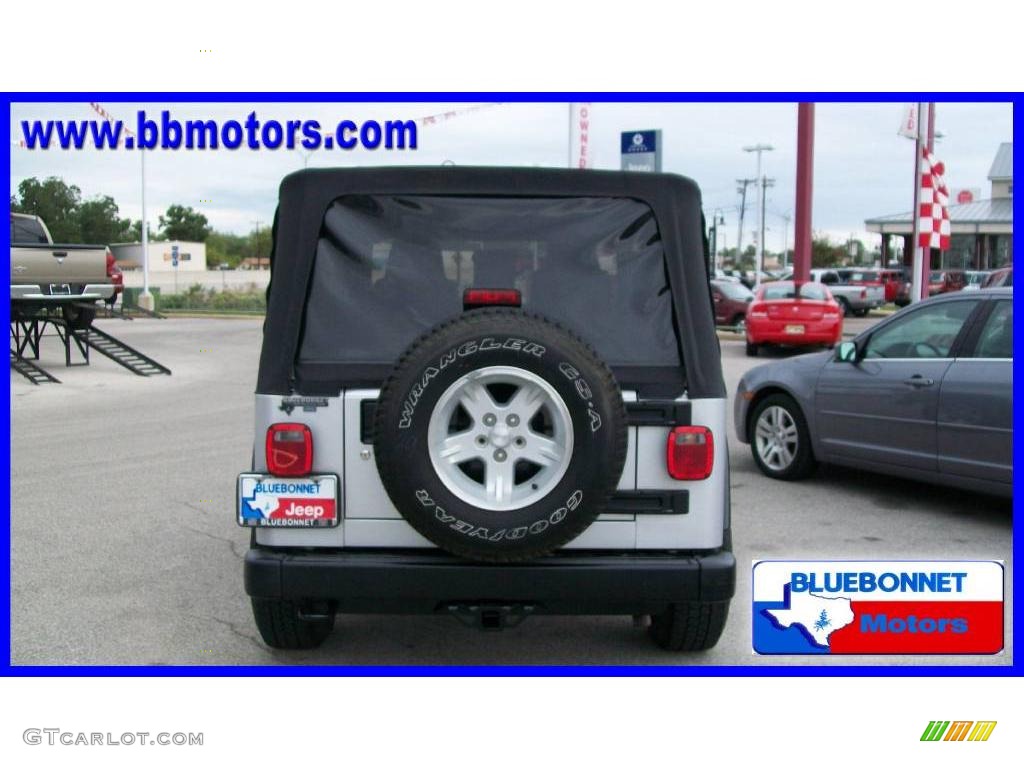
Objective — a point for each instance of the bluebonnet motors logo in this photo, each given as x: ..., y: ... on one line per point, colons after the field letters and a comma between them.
x: 877, y: 607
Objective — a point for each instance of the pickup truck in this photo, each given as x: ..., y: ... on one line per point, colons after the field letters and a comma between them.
x: 45, y: 274
x: 854, y: 299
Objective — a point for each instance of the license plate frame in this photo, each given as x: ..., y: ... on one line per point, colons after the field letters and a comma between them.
x: 795, y: 329
x: 257, y: 492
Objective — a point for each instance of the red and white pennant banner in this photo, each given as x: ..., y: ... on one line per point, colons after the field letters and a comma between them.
x: 442, y: 117
x: 933, y: 204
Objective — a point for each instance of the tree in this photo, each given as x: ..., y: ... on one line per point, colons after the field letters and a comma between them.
x: 225, y: 248
x: 184, y: 223
x: 824, y: 253
x: 54, y: 202
x: 99, y: 222
x: 135, y: 232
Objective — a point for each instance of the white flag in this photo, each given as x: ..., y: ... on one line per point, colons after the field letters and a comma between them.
x: 908, y: 125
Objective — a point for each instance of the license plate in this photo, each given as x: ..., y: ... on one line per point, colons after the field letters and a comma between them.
x: 794, y: 329
x: 60, y: 289
x: 265, y: 501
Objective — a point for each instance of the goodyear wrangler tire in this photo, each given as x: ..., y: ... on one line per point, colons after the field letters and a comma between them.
x: 499, y: 436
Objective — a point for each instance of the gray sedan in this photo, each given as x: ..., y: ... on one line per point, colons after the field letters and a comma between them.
x: 926, y: 394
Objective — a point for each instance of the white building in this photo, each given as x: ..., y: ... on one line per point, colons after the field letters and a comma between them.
x: 191, y: 256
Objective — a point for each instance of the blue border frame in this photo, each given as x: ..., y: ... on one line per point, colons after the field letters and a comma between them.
x: 502, y: 671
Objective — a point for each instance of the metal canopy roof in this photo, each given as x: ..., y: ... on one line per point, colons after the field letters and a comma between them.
x: 1002, y: 166
x: 999, y: 211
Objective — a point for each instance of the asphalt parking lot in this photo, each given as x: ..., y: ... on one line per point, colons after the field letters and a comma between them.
x: 125, y: 550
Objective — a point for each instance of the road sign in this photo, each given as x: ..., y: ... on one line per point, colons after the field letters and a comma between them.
x: 641, y: 151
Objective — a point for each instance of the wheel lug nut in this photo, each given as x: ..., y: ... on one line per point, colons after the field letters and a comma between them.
x: 512, y: 420
x: 490, y: 419
x: 500, y: 455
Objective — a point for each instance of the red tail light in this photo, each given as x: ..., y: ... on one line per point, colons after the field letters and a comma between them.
x: 474, y: 298
x: 864, y: 293
x: 691, y: 453
x: 289, y: 450
x: 110, y: 263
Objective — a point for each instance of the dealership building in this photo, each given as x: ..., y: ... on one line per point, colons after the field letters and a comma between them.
x: 982, y: 230
x: 191, y: 256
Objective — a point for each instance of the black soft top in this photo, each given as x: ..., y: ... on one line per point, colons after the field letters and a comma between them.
x: 305, y: 197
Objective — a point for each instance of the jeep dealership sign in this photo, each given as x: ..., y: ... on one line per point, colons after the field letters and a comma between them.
x: 641, y: 151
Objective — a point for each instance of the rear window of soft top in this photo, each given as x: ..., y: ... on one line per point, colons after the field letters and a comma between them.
x: 391, y: 267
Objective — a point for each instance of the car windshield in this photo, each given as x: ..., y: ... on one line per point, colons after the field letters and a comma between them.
x: 737, y: 291
x: 937, y: 277
x: 787, y: 290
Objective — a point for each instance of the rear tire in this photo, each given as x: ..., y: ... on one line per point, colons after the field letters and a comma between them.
x: 751, y: 349
x: 845, y: 306
x: 689, y: 626
x: 78, y: 318
x: 281, y: 627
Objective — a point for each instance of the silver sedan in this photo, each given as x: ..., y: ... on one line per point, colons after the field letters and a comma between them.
x: 926, y: 394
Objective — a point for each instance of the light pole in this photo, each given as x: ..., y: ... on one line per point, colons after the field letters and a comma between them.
x: 146, y: 298
x: 759, y: 149
x: 765, y: 183
x: 786, y: 218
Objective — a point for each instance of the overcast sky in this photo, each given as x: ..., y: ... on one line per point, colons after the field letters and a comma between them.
x: 862, y: 167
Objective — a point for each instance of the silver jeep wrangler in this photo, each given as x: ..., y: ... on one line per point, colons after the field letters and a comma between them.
x: 491, y: 393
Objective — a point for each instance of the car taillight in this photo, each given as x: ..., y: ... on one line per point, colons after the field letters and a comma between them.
x: 110, y: 263
x: 691, y: 453
x: 474, y: 298
x: 864, y: 293
x: 289, y: 450
x: 756, y: 310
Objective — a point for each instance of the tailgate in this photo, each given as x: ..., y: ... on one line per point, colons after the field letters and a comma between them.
x: 45, y: 264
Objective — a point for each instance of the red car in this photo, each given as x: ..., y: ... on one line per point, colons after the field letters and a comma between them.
x: 946, y: 281
x: 1001, y: 278
x: 890, y: 279
x: 793, y: 314
x: 116, y: 277
x: 731, y: 300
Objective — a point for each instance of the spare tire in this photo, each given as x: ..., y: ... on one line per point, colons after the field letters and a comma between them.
x: 500, y: 436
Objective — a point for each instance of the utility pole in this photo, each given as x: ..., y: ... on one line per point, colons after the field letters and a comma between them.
x: 765, y: 183
x: 742, y: 189
x: 759, y: 259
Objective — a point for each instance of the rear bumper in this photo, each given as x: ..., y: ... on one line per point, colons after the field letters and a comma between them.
x: 815, y: 332
x: 365, y: 581
x: 34, y: 293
